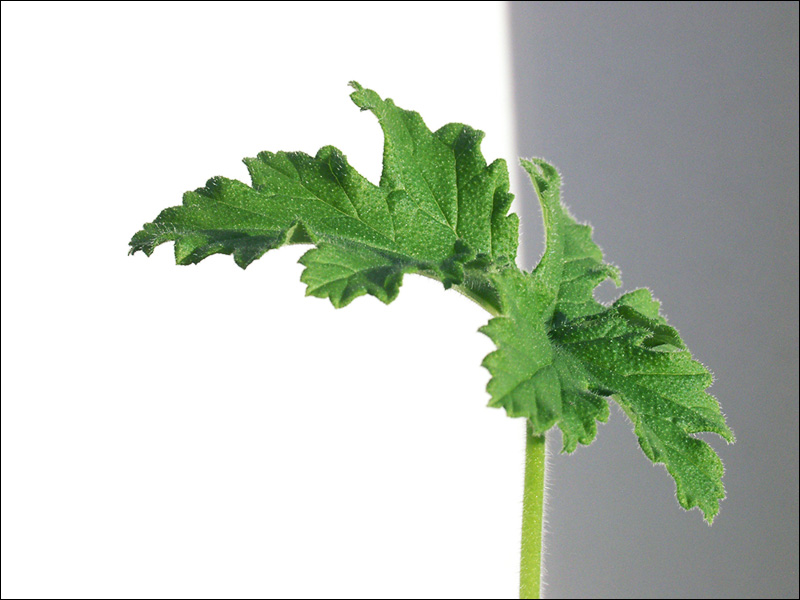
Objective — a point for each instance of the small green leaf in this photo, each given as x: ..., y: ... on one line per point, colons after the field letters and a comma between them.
x: 524, y: 380
x: 344, y: 274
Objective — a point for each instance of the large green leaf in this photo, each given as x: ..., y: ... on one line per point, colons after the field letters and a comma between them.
x: 438, y: 206
x: 560, y: 354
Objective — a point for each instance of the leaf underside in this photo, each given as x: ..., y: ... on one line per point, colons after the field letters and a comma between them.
x: 440, y: 210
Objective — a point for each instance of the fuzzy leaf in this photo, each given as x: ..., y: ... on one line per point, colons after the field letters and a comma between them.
x: 437, y: 207
x: 560, y: 354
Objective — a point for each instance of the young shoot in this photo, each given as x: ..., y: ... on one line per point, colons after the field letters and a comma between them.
x: 442, y: 212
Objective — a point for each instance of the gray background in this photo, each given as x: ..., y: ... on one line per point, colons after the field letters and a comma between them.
x: 675, y: 127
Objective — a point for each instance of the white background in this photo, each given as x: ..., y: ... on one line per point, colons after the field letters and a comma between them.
x: 206, y: 431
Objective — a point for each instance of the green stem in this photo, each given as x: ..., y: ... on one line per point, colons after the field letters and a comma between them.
x: 532, y: 515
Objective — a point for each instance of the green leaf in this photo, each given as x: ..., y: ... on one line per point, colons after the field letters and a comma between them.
x: 344, y: 274
x: 524, y: 380
x: 560, y: 354
x: 438, y: 206
x: 446, y: 179
x: 661, y: 388
x: 572, y: 265
x: 532, y: 376
x: 559, y: 288
x: 441, y: 211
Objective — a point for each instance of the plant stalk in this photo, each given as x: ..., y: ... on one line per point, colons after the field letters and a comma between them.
x: 530, y: 572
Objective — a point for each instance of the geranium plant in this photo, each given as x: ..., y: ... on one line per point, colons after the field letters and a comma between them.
x: 442, y: 212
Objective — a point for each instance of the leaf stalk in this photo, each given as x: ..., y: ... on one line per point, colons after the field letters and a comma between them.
x: 530, y: 573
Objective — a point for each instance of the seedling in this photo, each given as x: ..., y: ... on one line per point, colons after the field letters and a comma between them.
x: 442, y: 212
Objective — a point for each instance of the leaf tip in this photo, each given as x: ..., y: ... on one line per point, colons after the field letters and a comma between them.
x: 364, y: 98
x: 540, y: 168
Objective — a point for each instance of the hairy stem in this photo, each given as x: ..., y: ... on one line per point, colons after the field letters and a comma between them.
x: 532, y: 515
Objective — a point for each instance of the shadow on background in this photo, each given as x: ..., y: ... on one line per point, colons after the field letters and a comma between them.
x: 675, y: 127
